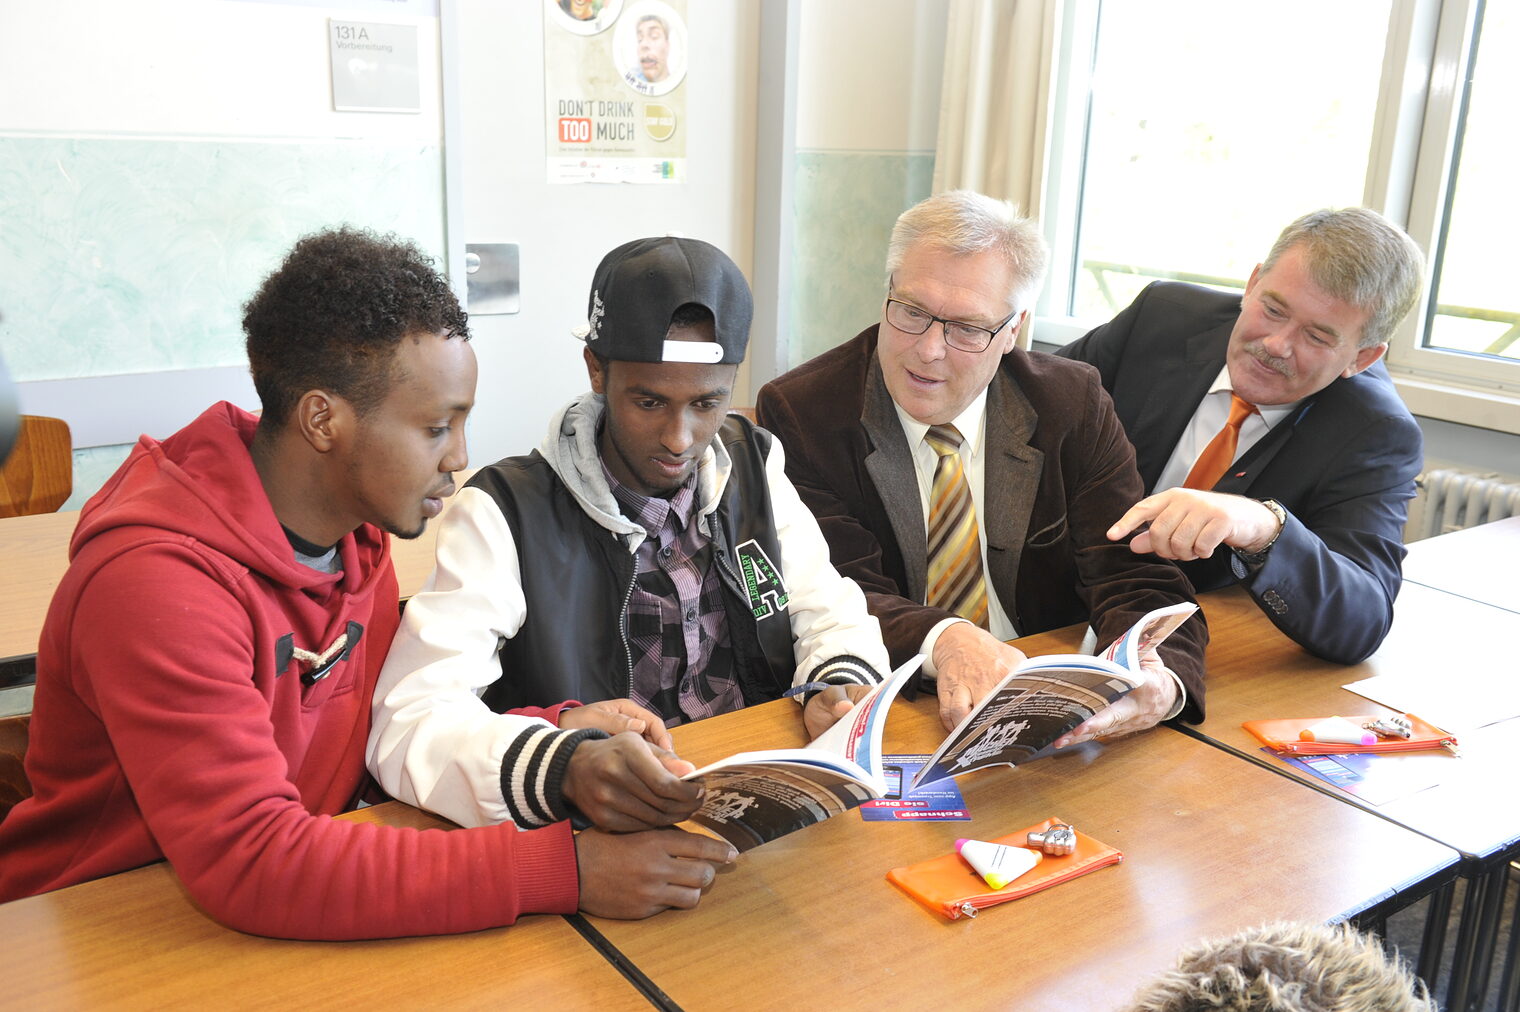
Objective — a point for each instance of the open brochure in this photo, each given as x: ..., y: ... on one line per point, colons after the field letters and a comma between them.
x: 1047, y: 697
x: 754, y: 797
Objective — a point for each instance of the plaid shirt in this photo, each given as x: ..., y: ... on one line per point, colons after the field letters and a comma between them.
x: 677, y: 629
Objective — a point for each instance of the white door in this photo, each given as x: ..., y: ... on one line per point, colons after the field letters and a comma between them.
x: 530, y: 365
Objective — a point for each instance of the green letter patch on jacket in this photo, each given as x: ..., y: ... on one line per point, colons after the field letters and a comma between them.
x: 761, y: 581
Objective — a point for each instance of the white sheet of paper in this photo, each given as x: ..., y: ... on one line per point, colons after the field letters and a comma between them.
x: 1477, y: 700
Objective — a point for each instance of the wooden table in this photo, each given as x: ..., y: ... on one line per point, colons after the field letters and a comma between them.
x: 34, y: 554
x: 414, y: 559
x: 1480, y: 563
x: 1256, y: 672
x: 135, y: 940
x: 1211, y: 844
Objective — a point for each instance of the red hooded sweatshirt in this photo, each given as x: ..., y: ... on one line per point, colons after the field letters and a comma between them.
x: 176, y: 717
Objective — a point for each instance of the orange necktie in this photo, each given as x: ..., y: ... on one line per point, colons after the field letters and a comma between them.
x: 1217, y: 456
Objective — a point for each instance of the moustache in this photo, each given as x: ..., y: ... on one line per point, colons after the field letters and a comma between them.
x: 1277, y: 365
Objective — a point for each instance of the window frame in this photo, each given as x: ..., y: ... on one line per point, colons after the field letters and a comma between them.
x: 1434, y: 382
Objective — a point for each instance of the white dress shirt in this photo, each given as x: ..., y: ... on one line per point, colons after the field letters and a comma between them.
x: 1213, y: 411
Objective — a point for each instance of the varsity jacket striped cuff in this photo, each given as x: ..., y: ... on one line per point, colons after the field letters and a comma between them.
x: 533, y: 773
x: 845, y: 669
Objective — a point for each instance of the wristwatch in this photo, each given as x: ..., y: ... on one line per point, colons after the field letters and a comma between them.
x: 1254, y: 559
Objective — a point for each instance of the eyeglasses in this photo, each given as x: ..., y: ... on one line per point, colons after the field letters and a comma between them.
x: 962, y: 336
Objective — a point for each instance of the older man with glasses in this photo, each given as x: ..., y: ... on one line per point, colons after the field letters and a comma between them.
x: 968, y: 485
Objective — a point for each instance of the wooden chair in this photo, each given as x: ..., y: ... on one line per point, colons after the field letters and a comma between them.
x: 39, y: 475
x: 14, y: 786
x: 745, y: 410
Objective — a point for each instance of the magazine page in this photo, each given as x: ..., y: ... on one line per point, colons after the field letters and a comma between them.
x: 1152, y: 628
x: 1031, y: 708
x: 857, y: 735
x: 1376, y: 779
x: 754, y: 802
x: 754, y: 797
x: 836, y: 765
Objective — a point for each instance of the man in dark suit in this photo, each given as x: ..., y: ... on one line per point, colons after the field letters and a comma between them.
x: 1309, y: 499
x: 931, y: 431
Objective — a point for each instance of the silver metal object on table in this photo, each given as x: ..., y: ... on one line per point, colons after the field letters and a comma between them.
x: 1057, y: 841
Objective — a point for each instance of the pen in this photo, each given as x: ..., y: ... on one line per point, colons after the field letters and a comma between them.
x: 798, y: 690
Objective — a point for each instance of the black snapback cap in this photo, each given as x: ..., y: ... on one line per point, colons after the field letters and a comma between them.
x: 638, y: 287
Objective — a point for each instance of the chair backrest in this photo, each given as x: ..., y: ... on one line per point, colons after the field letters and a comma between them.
x: 39, y: 475
x: 14, y: 786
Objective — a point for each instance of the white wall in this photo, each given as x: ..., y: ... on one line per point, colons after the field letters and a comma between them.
x: 188, y: 67
x: 868, y: 74
x: 1468, y: 448
x: 530, y: 365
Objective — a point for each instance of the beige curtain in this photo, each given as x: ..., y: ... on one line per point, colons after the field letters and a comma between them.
x: 995, y: 103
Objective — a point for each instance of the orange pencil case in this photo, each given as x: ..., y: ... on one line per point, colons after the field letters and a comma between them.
x: 1281, y: 735
x: 950, y: 887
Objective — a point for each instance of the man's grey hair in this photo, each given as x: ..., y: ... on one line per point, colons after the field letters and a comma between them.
x: 1358, y: 256
x: 964, y: 222
x: 1286, y: 967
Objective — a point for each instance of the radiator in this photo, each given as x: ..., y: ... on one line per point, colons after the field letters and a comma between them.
x: 1449, y: 500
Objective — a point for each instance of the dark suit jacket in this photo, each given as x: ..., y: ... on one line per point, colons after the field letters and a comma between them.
x: 1343, y: 466
x: 1059, y: 473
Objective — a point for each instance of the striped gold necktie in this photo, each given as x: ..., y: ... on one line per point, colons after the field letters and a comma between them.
x: 955, y: 549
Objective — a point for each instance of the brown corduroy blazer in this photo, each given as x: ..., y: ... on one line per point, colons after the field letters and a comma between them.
x: 1059, y: 472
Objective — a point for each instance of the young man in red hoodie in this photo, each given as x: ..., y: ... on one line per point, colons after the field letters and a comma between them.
x: 205, y: 672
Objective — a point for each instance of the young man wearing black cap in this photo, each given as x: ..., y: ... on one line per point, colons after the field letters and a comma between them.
x: 651, y: 548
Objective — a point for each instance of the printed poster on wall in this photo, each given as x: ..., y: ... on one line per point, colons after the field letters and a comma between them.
x: 614, y: 78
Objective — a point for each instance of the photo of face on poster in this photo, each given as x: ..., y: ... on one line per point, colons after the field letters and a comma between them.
x: 584, y: 17
x: 614, y: 103
x: 649, y: 47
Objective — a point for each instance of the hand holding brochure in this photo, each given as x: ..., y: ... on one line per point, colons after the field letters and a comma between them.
x: 1047, y: 697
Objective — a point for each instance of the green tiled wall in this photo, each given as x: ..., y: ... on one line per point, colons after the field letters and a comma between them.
x: 845, y: 203
x: 129, y: 255
x: 132, y: 255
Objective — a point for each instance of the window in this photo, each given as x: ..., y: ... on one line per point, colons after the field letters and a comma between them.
x: 1188, y: 133
x: 1212, y: 125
